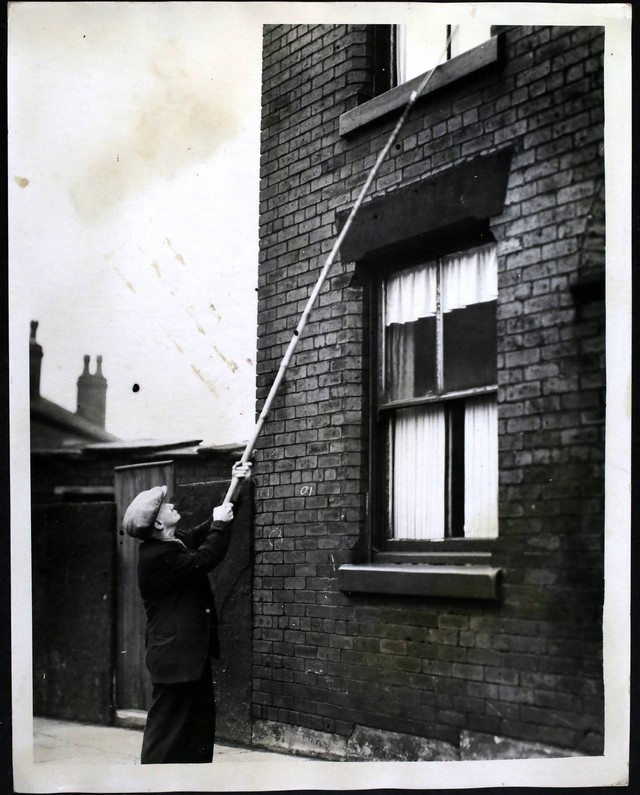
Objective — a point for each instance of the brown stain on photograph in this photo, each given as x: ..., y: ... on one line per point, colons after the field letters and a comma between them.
x: 124, y: 279
x: 180, y: 122
x: 179, y: 257
x: 21, y: 182
x: 204, y: 380
x: 229, y: 362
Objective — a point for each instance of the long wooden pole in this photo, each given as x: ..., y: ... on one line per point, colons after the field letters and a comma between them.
x: 235, y: 482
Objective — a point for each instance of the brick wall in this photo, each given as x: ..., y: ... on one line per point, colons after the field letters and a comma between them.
x: 90, y: 469
x: 529, y: 666
x: 51, y: 471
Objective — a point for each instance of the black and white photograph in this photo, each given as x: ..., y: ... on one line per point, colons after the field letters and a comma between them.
x: 320, y: 356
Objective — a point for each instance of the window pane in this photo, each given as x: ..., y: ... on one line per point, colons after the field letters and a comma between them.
x: 481, y: 468
x: 437, y: 477
x: 470, y: 347
x: 469, y: 35
x: 410, y: 328
x: 469, y: 277
x: 455, y: 487
x: 410, y: 368
x: 469, y: 292
x: 425, y: 357
x: 418, y: 473
x: 420, y: 45
x: 410, y: 294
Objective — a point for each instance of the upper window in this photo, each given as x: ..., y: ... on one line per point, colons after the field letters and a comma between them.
x: 419, y: 46
x: 436, y: 401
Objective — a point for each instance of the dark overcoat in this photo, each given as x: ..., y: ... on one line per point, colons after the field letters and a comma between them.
x: 181, y: 630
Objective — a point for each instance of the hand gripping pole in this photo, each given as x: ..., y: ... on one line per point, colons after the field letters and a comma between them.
x: 235, y: 482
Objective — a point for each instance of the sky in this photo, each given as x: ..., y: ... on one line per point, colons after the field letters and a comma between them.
x: 133, y: 196
x: 134, y: 134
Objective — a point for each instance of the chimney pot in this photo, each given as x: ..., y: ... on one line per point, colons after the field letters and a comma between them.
x: 35, y: 362
x: 92, y: 394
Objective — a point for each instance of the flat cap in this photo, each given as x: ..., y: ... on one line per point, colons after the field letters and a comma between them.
x: 141, y: 514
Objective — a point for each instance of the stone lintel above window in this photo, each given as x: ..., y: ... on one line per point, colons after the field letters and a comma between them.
x: 467, y: 63
x: 436, y: 211
x: 421, y: 579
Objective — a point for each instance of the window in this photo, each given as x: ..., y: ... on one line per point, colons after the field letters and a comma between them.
x: 420, y: 45
x: 436, y: 403
x: 398, y: 67
x: 433, y: 491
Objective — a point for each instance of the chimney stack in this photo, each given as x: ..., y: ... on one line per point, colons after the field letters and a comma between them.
x: 35, y: 362
x: 92, y: 394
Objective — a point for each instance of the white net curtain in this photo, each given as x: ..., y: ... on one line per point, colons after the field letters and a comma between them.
x: 481, y: 468
x: 418, y: 444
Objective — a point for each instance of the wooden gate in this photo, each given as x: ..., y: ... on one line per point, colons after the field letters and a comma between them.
x: 132, y: 684
x: 73, y: 590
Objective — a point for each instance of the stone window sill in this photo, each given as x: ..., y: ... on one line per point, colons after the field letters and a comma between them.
x: 421, y: 579
x: 467, y: 63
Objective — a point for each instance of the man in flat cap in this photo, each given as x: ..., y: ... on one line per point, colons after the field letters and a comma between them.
x: 181, y: 634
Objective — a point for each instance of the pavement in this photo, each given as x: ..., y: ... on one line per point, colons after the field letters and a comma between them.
x: 65, y: 741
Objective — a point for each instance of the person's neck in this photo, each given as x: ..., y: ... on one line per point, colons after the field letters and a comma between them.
x: 165, y: 533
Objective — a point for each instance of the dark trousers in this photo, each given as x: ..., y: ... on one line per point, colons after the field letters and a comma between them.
x: 181, y: 723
